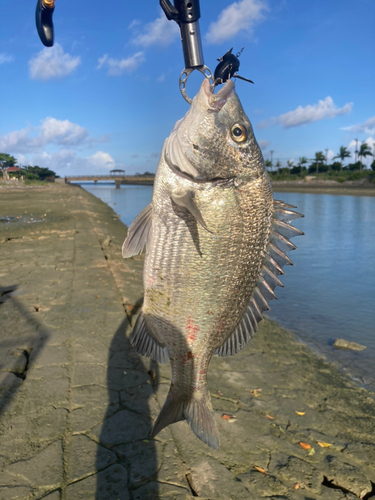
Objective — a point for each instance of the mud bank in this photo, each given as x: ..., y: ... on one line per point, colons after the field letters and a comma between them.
x: 77, y: 403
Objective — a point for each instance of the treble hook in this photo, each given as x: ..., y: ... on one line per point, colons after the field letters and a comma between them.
x: 228, y: 67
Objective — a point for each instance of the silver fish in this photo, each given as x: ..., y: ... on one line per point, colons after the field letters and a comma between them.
x: 215, y: 243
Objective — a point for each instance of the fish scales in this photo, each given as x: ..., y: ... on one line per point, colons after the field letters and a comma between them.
x: 206, y: 232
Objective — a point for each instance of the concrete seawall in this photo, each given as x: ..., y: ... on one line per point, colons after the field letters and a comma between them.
x: 77, y: 402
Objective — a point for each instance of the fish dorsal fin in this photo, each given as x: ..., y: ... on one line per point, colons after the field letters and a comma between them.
x: 275, y: 259
x: 138, y: 233
x: 145, y: 344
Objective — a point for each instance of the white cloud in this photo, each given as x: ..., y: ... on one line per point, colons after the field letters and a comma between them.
x: 159, y: 32
x: 50, y: 132
x: 330, y: 155
x: 368, y: 127
x: 239, y: 16
x: 52, y: 63
x: 308, y: 114
x: 5, y: 58
x: 68, y: 162
x: 263, y: 144
x: 116, y: 67
x: 101, y: 160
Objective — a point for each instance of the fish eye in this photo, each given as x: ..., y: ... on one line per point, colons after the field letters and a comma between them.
x: 238, y: 133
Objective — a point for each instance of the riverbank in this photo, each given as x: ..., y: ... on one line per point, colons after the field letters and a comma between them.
x: 77, y: 403
x: 353, y: 188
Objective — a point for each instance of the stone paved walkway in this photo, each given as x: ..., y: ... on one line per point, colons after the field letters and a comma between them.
x: 77, y: 403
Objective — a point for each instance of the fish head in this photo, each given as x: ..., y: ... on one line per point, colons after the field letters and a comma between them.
x: 215, y: 139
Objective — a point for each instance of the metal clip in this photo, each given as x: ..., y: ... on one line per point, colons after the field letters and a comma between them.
x: 186, y: 13
x: 185, y: 75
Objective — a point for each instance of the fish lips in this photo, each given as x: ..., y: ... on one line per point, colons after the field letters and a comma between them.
x: 218, y: 100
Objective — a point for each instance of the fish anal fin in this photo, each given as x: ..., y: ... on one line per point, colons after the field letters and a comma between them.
x: 196, y: 411
x: 186, y: 200
x: 145, y: 344
x: 138, y: 233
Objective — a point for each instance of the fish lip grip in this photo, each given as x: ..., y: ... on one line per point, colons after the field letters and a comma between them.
x: 186, y: 14
x: 43, y: 19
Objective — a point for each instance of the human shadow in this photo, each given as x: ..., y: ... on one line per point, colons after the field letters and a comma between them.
x: 126, y: 429
x: 17, y: 353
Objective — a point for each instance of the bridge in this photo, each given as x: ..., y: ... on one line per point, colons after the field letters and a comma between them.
x: 117, y: 179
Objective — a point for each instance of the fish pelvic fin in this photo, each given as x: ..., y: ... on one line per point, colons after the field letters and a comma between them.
x: 145, y: 344
x: 196, y: 411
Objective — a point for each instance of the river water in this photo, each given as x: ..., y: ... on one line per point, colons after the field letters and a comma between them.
x: 330, y: 292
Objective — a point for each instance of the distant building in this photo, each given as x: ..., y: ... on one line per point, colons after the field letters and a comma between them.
x: 13, y: 169
x: 117, y: 172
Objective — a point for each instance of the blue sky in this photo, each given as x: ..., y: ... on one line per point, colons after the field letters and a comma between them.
x: 106, y: 95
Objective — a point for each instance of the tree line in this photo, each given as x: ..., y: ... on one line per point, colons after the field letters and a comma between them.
x: 28, y: 172
x: 319, y: 164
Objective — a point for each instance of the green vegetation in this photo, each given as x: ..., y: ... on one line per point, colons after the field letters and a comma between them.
x: 29, y: 173
x: 320, y: 169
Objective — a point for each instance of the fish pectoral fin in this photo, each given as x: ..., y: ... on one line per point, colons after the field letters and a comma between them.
x: 145, y: 344
x: 138, y: 233
x: 186, y: 200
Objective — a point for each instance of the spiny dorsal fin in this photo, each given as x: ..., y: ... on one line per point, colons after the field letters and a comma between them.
x: 145, y: 344
x: 264, y: 291
x: 138, y: 233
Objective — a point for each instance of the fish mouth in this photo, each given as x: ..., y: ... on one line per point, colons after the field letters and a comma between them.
x: 217, y: 101
x: 199, y: 179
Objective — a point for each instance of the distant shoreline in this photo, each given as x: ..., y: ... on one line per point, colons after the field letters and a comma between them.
x: 353, y: 188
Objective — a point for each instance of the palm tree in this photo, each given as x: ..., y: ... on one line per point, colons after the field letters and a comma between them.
x: 268, y: 164
x: 290, y: 163
x: 278, y: 165
x: 319, y: 158
x: 344, y: 153
x: 302, y: 160
x: 364, y: 151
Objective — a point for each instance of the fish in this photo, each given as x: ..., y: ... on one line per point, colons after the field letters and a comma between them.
x: 216, y: 242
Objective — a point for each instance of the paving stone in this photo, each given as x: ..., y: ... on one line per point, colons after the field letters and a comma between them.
x: 155, y: 490
x: 110, y: 484
x: 93, y: 395
x: 44, y: 469
x: 119, y: 379
x: 143, y: 458
x: 14, y: 492
x: 123, y: 427
x: 87, y: 457
x: 84, y: 419
x: 50, y: 355
x: 55, y: 495
x: 20, y: 435
x: 12, y: 360
x: 9, y: 381
x: 88, y: 374
x: 45, y: 386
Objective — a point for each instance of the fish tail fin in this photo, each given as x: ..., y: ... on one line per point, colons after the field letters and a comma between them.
x: 197, y: 412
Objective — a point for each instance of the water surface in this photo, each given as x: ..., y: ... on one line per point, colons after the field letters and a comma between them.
x: 330, y: 291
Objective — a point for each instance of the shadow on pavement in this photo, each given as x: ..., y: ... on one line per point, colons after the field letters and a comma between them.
x: 127, y: 425
x: 17, y: 353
